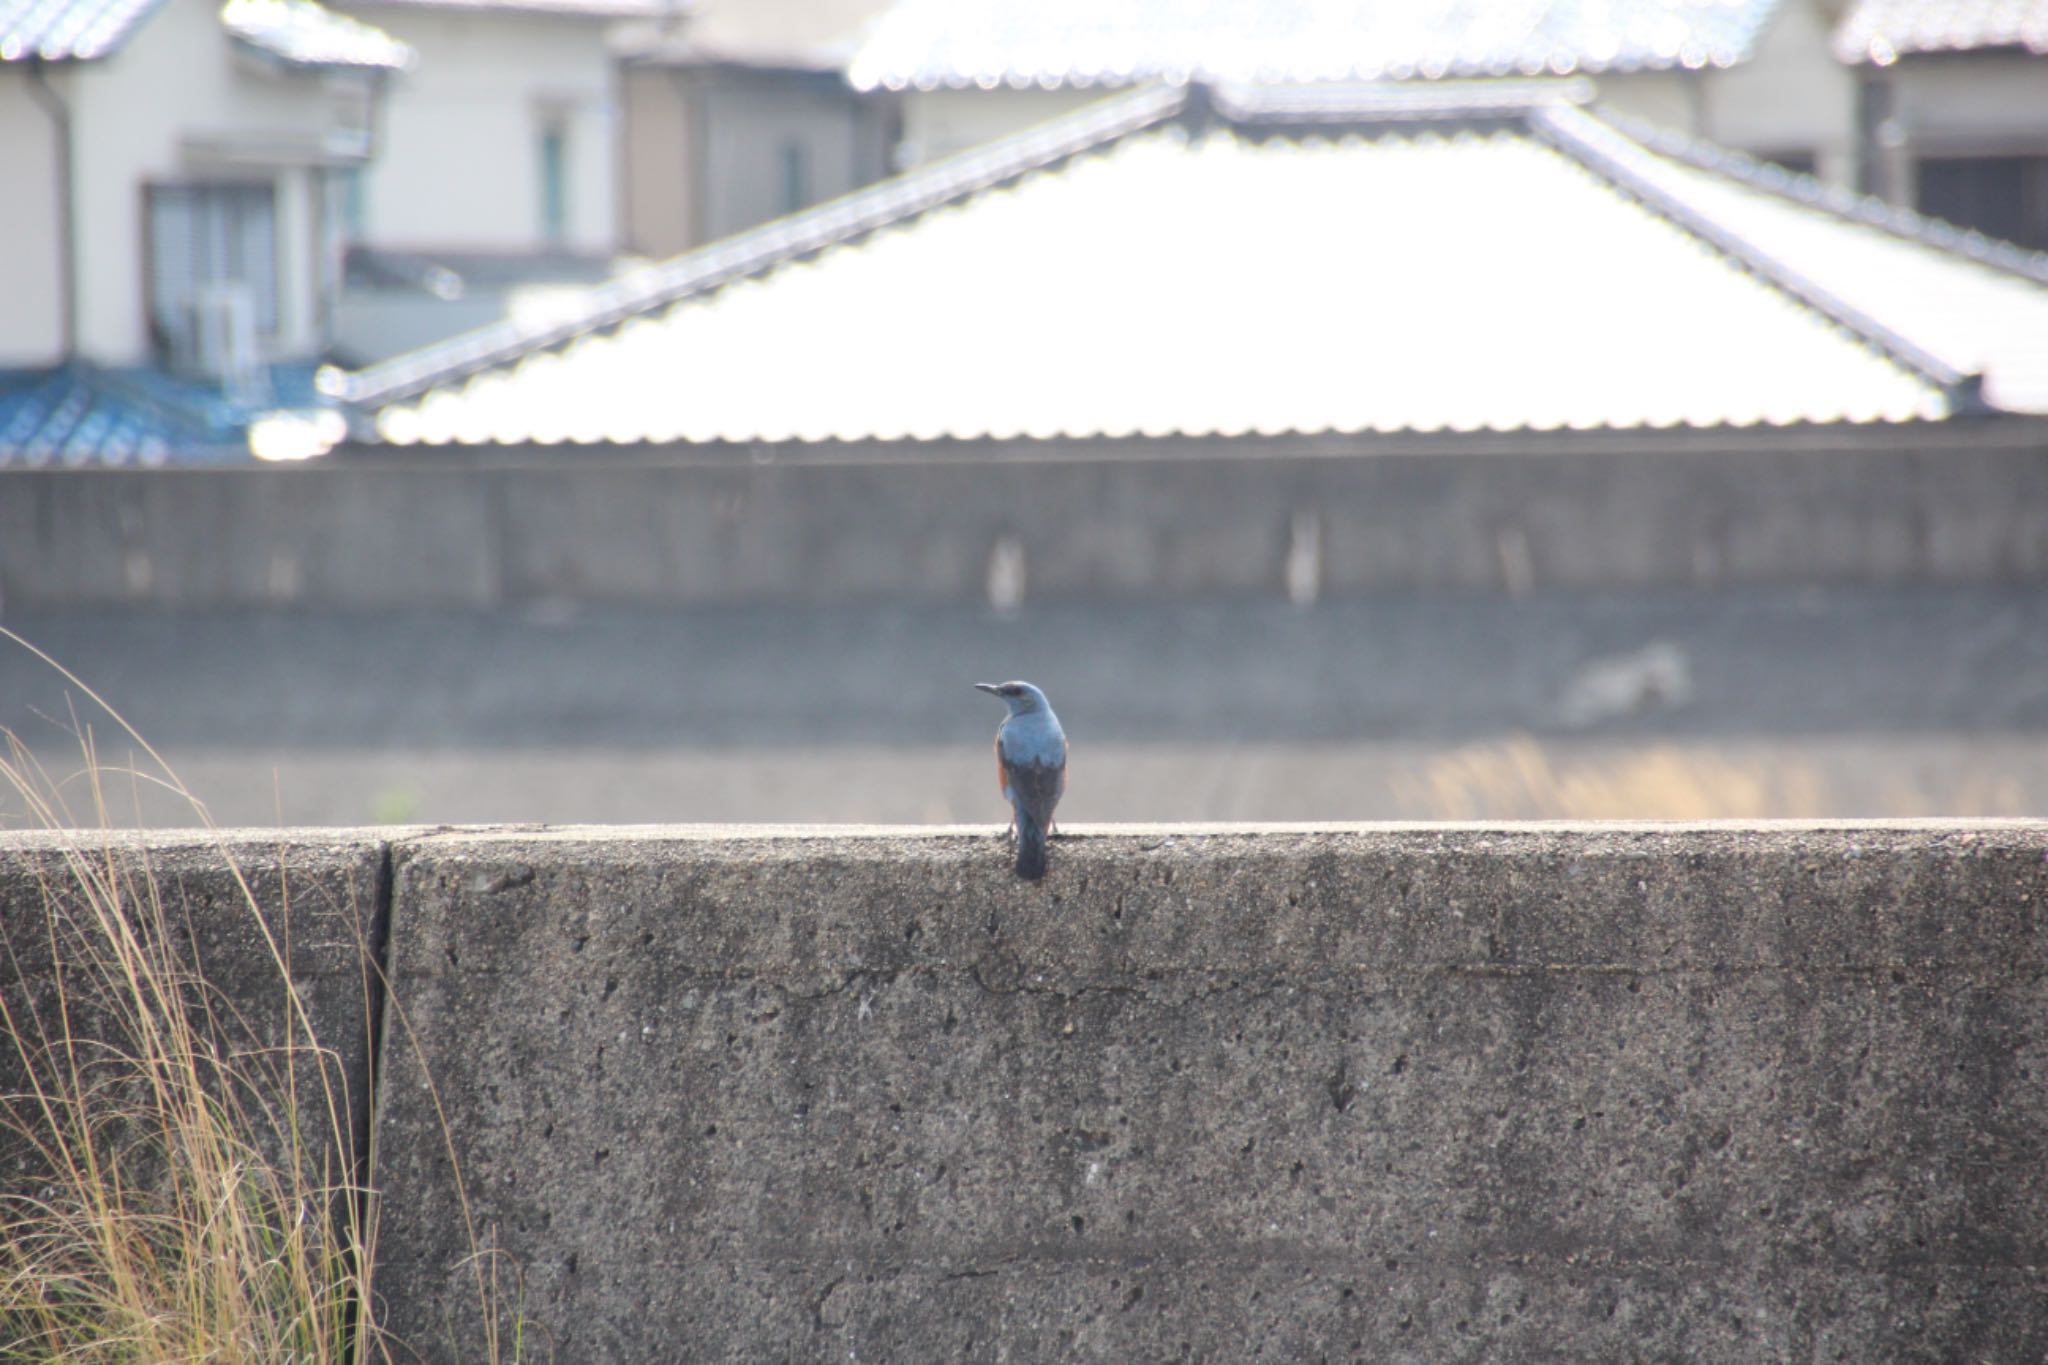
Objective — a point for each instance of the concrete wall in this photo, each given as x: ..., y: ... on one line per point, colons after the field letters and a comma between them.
x: 1959, y: 502
x: 324, y: 899
x: 1425, y: 1092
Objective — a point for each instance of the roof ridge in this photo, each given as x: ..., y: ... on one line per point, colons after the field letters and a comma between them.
x: 1810, y: 191
x: 990, y: 43
x: 851, y: 216
x: 1253, y: 105
x: 1579, y: 135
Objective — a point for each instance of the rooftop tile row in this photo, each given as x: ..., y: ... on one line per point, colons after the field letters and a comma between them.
x: 928, y: 44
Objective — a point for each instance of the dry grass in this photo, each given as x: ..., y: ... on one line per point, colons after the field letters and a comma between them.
x: 180, y: 1182
x: 1520, y: 778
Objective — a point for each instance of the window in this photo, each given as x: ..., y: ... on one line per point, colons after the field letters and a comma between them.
x: 206, y: 237
x: 350, y: 133
x: 2001, y: 196
x: 554, y: 180
x: 794, y: 165
x: 350, y: 212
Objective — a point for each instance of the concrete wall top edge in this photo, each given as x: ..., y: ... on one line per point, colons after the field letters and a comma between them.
x: 908, y: 838
x: 240, y: 843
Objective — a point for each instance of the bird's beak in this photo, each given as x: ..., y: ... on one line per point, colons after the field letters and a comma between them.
x: 992, y: 689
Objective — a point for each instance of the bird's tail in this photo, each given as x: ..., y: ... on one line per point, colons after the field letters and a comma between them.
x: 1030, y: 848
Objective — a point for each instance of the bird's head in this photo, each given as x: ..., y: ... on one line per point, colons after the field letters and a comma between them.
x: 1020, y: 697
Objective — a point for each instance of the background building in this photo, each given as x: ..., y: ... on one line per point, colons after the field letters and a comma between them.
x: 739, y: 112
x: 171, y: 259
x: 497, y: 184
x: 1754, y: 75
x: 1953, y: 110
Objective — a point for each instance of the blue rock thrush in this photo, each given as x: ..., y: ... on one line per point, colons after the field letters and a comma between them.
x: 1031, y: 765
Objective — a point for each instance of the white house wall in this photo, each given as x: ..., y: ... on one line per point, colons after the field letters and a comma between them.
x: 458, y: 162
x: 31, y: 323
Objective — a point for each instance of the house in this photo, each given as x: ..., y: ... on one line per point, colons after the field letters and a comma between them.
x: 1953, y: 100
x: 496, y: 184
x: 1753, y: 75
x: 171, y: 257
x: 1224, y: 260
x: 739, y: 112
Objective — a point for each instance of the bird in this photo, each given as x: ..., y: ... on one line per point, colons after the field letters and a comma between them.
x: 1031, y: 768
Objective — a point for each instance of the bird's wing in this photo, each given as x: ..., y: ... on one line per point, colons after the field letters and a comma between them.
x: 1036, y: 787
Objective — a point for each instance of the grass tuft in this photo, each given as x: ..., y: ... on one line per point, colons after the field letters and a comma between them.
x: 178, y: 1169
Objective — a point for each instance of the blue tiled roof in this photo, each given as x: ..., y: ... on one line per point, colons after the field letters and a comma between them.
x: 67, y: 30
x: 80, y: 414
x: 299, y: 32
x: 929, y: 44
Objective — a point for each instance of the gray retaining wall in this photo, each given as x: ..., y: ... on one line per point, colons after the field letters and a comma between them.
x: 1391, y: 1093
x: 1958, y: 502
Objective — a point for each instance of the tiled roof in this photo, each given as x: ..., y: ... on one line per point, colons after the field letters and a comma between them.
x: 67, y: 30
x: 79, y: 414
x: 1972, y: 305
x: 299, y: 32
x: 1882, y: 31
x: 82, y: 414
x: 589, y: 9
x: 304, y: 33
x: 1197, y: 261
x: 958, y: 43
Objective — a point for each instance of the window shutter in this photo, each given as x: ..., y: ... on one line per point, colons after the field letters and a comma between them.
x: 173, y: 258
x: 253, y: 210
x: 211, y: 234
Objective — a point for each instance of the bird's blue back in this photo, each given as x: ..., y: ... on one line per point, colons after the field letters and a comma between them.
x: 1033, y: 737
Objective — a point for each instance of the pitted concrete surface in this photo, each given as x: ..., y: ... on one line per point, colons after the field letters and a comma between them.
x: 1402, y: 1092
x: 1416, y: 1093
x: 259, y: 917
